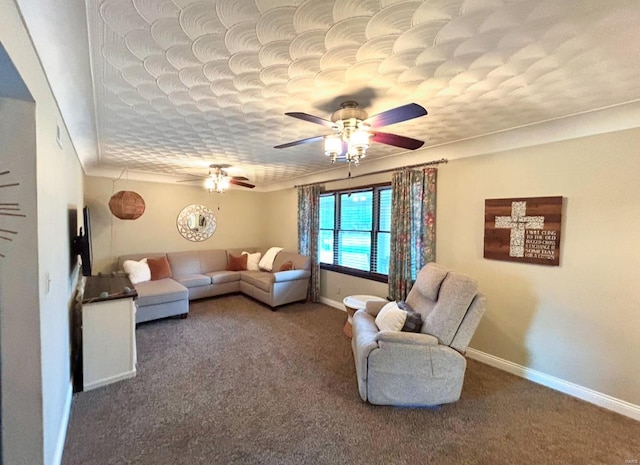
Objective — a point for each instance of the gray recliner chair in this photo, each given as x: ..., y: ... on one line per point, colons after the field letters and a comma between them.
x: 426, y: 368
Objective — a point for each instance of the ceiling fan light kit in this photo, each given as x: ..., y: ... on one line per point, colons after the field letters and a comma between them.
x: 219, y: 180
x: 352, y: 130
x: 333, y: 147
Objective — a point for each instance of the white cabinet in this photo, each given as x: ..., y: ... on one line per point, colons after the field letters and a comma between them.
x: 108, y: 339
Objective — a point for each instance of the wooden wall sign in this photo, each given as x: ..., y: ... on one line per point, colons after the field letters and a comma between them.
x: 523, y: 230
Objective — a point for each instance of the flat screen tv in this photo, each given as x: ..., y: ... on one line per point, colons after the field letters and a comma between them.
x: 72, y: 231
x: 82, y: 243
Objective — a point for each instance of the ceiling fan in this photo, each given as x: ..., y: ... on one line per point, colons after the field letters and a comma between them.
x: 353, y: 130
x: 218, y: 180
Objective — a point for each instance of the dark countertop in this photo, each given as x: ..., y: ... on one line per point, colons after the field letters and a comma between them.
x: 113, y: 284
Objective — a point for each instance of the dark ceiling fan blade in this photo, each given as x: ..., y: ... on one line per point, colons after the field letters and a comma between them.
x: 219, y: 166
x: 310, y: 118
x: 239, y: 178
x: 240, y: 183
x: 299, y: 142
x: 397, y: 141
x: 396, y: 115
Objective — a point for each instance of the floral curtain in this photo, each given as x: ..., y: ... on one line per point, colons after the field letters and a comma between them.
x: 413, y: 227
x: 308, y: 225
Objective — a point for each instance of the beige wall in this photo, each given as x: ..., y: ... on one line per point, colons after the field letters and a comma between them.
x: 37, y: 286
x: 239, y: 214
x: 19, y: 303
x: 336, y: 286
x: 281, y: 227
x: 577, y: 322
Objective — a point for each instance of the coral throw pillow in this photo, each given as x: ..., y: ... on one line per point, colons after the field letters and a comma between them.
x: 237, y: 263
x: 286, y: 266
x: 159, y: 267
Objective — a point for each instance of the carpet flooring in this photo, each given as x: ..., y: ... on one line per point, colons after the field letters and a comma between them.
x: 236, y: 383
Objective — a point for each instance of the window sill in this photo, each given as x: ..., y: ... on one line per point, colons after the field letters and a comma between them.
x: 382, y: 278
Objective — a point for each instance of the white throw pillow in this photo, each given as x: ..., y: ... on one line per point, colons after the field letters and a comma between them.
x: 252, y: 260
x: 138, y: 272
x: 391, y: 318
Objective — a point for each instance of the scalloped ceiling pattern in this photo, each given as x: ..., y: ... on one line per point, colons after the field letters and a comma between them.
x: 181, y: 84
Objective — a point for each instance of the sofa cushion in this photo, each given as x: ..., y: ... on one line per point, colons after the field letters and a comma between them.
x: 159, y: 267
x: 212, y: 260
x: 160, y: 291
x: 193, y: 280
x: 260, y: 279
x: 184, y: 263
x: 219, y: 277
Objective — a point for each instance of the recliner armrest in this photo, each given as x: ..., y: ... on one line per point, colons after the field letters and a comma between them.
x: 403, y: 337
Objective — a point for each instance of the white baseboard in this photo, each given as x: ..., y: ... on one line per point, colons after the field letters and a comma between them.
x: 594, y: 397
x: 111, y: 379
x: 589, y: 395
x: 64, y: 424
x: 333, y: 303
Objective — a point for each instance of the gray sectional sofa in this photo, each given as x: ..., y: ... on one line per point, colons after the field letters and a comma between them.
x: 203, y: 273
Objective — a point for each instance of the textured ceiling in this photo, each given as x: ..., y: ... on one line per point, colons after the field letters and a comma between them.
x: 181, y: 84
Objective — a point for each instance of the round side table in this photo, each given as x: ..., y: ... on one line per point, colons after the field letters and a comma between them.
x: 352, y: 304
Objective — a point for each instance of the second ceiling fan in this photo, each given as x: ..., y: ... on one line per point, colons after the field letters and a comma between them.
x: 353, y: 130
x: 218, y: 180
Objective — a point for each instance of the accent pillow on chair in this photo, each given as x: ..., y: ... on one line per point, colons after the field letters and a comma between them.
x: 286, y: 266
x: 413, y: 324
x: 391, y: 317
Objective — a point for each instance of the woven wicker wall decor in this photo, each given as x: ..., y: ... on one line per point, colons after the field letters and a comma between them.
x: 127, y: 205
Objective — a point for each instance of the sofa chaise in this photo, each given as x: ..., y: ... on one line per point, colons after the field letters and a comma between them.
x: 203, y: 273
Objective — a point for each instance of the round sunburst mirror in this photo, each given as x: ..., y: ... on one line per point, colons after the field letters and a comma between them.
x: 196, y: 223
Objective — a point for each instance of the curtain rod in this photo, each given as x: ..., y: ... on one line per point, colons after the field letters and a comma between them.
x: 418, y: 165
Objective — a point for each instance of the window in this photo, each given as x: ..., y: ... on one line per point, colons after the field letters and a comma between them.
x: 354, y: 235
